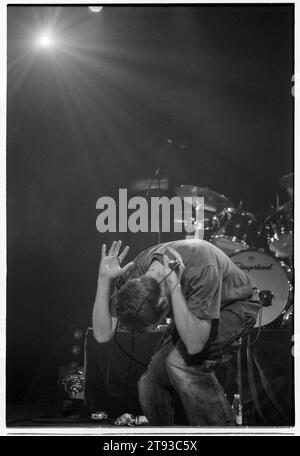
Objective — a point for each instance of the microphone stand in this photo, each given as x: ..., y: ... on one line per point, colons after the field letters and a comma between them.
x: 157, y: 176
x: 158, y: 191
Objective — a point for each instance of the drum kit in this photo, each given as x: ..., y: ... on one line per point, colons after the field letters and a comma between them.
x: 261, y: 248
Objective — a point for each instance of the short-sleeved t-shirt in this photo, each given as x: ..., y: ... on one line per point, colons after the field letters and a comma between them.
x: 210, y: 281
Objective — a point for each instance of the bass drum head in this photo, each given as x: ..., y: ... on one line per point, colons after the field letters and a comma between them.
x: 266, y: 273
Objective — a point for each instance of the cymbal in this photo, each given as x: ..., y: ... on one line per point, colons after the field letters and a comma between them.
x: 191, y: 220
x: 148, y: 184
x: 187, y: 190
x: 286, y: 208
x: 287, y: 181
x: 213, y: 201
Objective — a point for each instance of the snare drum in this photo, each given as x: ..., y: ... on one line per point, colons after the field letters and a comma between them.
x: 270, y: 275
x: 279, y: 231
x: 235, y: 230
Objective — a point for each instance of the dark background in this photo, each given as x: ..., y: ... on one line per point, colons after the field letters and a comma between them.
x: 94, y: 113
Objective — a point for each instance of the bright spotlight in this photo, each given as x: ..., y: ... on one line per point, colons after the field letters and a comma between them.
x: 95, y: 9
x: 45, y: 40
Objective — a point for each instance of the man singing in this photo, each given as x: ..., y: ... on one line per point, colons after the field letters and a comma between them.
x: 211, y: 303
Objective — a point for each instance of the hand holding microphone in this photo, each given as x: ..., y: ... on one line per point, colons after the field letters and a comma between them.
x: 174, y: 264
x: 173, y: 269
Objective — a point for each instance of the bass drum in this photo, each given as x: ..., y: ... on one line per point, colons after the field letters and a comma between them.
x: 268, y: 275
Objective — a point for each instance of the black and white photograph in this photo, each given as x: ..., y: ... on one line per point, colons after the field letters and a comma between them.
x: 150, y: 170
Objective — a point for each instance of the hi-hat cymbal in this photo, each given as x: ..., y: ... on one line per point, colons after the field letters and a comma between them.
x: 213, y: 201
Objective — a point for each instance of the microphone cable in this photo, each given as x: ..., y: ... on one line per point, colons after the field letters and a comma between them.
x: 173, y: 264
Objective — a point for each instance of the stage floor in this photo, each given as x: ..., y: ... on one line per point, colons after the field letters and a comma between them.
x: 49, y: 413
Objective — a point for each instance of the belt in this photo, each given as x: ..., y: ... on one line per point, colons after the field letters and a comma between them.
x: 211, y: 363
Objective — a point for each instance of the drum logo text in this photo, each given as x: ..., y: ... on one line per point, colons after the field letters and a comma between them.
x: 255, y: 267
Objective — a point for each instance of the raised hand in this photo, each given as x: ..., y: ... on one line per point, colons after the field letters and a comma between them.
x: 110, y: 265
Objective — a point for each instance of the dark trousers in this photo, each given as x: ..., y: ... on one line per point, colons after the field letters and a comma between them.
x: 172, y: 374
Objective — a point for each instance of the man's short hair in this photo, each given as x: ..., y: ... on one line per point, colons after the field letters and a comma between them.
x: 138, y: 303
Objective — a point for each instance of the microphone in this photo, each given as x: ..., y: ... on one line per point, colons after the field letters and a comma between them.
x: 174, y: 264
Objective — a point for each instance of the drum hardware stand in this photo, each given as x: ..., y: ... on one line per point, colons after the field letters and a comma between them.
x: 158, y: 176
x: 239, y: 369
x: 277, y: 201
x: 251, y: 380
x: 252, y: 364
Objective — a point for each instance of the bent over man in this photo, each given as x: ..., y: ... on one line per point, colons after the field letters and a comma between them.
x: 211, y: 303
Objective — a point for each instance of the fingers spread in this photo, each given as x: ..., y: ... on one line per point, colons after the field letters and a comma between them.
x: 103, y: 250
x: 124, y: 253
x: 112, y: 248
x: 115, y: 249
x: 118, y: 245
